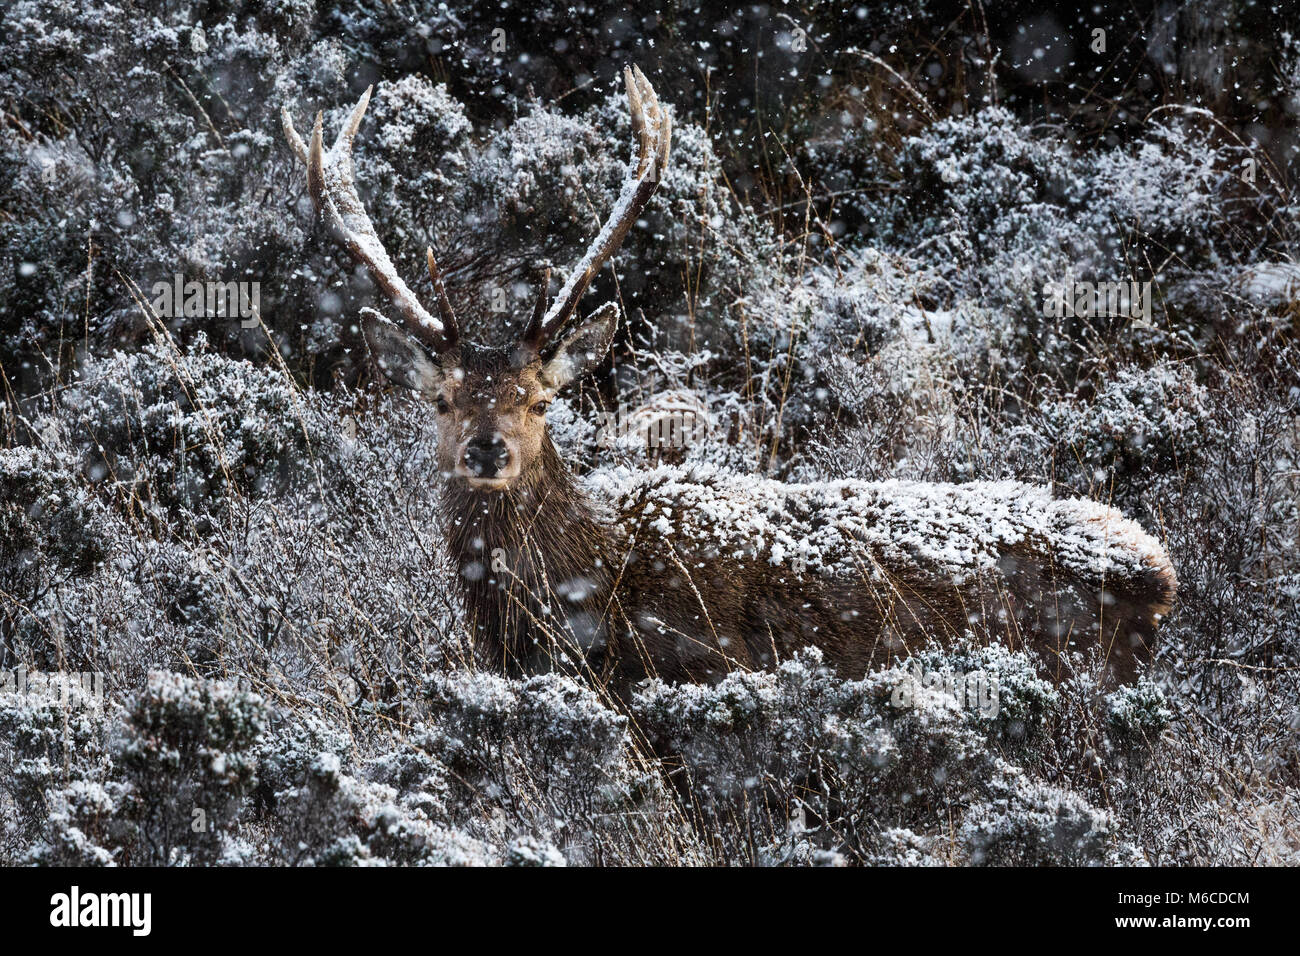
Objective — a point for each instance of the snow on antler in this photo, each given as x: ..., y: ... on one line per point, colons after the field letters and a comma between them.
x: 334, y: 194
x: 652, y: 128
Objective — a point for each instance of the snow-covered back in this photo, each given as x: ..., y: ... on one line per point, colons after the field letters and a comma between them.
x: 954, y: 530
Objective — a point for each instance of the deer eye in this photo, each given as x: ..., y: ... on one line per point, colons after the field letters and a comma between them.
x: 539, y: 408
x: 442, y: 406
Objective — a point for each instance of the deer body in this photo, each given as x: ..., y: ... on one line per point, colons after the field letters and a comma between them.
x: 871, y: 571
x: 686, y: 573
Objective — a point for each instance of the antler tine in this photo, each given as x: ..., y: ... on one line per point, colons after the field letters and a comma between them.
x: 533, y: 332
x: 450, y: 329
x: 657, y: 140
x: 652, y: 130
x: 631, y: 79
x: 334, y: 194
x: 316, y: 164
x: 291, y: 134
x: 348, y: 132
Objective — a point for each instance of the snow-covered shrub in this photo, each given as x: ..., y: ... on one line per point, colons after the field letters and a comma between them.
x: 335, y: 819
x: 901, y: 847
x: 50, y: 529
x: 1021, y: 707
x: 85, y: 826
x: 162, y: 781
x: 188, y: 764
x: 1040, y: 826
x: 167, y: 174
x: 1138, y: 713
x: 797, y: 758
x: 999, y: 204
x: 415, y: 152
x: 292, y: 743
x: 187, y: 429
x: 1169, y: 189
x: 544, y: 750
x: 46, y: 748
x: 1138, y: 424
x: 562, y: 725
x: 526, y: 851
x: 797, y: 765
x: 814, y: 341
x: 419, y: 778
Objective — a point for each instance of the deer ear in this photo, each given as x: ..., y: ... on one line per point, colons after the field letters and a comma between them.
x: 403, y: 360
x: 581, y: 350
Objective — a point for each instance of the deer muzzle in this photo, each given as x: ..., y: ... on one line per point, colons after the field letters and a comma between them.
x: 486, y: 463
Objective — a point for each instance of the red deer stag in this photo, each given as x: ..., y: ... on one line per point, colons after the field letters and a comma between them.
x: 687, y: 572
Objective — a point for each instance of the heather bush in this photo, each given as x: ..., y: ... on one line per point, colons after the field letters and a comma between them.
x: 167, y: 429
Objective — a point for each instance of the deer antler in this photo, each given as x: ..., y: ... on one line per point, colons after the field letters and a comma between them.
x: 653, y: 130
x: 334, y: 194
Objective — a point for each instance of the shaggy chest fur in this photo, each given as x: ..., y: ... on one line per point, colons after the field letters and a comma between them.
x: 532, y: 563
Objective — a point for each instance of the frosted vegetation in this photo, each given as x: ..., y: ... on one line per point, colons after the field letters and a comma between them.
x: 237, y: 525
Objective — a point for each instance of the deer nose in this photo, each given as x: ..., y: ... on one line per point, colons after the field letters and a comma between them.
x: 486, y: 457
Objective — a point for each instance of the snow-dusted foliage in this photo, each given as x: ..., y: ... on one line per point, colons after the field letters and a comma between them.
x: 195, y: 426
x: 796, y: 766
x: 229, y: 632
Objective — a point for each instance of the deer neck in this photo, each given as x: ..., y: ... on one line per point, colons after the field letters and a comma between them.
x: 532, y: 564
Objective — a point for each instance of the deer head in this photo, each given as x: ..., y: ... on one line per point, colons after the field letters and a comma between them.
x: 491, y: 402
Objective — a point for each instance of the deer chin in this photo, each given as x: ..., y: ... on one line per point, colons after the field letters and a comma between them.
x: 486, y: 484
